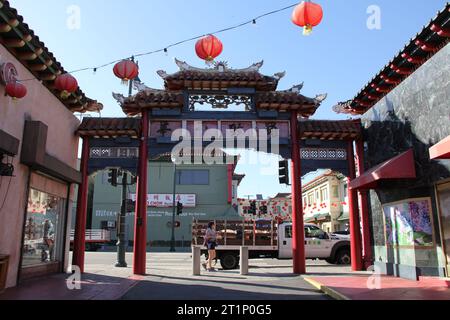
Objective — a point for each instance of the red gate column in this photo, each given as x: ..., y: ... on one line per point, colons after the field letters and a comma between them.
x: 79, y: 243
x: 298, y: 230
x: 363, y: 198
x: 140, y: 225
x: 355, y: 230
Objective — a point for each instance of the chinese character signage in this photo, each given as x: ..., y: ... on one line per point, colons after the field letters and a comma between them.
x: 166, y: 200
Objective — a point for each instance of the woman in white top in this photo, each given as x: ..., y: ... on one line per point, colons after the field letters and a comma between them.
x: 211, y: 244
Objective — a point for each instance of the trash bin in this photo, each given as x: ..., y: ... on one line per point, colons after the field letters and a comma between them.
x: 4, y: 262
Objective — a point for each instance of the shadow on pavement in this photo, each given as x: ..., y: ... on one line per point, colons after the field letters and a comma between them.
x: 301, y: 287
x: 151, y: 290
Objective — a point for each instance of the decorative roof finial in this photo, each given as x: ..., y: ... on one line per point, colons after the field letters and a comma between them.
x: 279, y: 75
x: 321, y: 98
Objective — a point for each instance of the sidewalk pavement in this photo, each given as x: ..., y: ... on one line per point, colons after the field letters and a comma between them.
x: 170, y: 278
x: 365, y: 287
x: 54, y: 287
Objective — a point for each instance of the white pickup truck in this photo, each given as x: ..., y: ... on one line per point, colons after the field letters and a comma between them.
x: 267, y: 239
x: 94, y: 239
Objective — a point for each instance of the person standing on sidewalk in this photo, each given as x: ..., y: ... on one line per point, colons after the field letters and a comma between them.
x: 211, y: 244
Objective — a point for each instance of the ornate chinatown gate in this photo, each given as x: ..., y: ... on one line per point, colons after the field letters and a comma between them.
x: 130, y: 143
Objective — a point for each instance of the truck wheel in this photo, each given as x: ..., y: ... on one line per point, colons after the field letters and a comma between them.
x: 229, y: 261
x: 343, y: 257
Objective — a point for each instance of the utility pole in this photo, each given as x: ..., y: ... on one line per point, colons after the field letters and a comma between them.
x: 172, y: 242
x: 121, y: 246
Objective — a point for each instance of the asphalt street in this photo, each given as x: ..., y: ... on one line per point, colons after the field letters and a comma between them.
x: 169, y: 277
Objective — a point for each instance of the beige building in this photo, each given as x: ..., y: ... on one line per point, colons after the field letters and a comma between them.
x: 325, y: 201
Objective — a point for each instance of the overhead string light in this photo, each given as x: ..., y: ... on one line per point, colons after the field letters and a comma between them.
x: 165, y: 49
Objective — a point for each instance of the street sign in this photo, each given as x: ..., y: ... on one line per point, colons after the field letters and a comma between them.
x: 166, y: 200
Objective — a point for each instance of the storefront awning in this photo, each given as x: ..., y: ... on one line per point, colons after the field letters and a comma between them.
x: 400, y: 167
x: 345, y: 216
x: 317, y: 216
x: 441, y: 150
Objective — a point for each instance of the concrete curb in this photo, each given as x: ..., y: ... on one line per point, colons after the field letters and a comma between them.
x: 328, y: 291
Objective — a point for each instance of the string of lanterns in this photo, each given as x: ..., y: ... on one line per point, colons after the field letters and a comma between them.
x: 307, y: 14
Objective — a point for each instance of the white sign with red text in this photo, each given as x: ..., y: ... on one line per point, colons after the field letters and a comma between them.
x: 166, y: 200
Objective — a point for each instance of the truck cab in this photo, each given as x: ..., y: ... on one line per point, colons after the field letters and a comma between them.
x: 318, y: 244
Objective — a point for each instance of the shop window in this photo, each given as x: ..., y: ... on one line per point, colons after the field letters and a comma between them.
x: 193, y: 177
x: 310, y: 199
x: 288, y: 232
x: 324, y: 195
x: 43, y: 237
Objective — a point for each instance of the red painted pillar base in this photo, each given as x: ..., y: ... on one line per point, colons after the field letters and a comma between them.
x: 355, y: 227
x: 367, y: 243
x: 79, y: 244
x: 140, y: 225
x: 363, y: 200
x: 298, y: 230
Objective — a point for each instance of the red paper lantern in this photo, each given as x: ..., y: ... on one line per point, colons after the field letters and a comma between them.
x: 126, y: 70
x: 208, y: 48
x: 16, y: 90
x: 307, y: 15
x: 67, y: 84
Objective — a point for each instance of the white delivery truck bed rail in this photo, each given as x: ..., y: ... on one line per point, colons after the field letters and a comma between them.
x: 258, y: 234
x: 95, y: 235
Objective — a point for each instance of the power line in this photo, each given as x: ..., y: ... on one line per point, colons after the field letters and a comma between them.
x: 165, y: 49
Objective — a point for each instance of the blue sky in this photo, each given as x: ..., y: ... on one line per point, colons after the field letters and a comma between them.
x: 339, y: 58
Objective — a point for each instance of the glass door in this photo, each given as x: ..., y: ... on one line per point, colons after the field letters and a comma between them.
x: 44, y: 236
x: 444, y: 206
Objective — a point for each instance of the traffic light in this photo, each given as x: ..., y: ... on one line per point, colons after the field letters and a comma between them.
x: 179, y: 208
x: 253, y: 208
x: 130, y: 206
x: 112, y: 177
x: 284, y: 172
x: 263, y: 210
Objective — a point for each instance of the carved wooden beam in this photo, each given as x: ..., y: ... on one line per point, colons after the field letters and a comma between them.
x: 13, y: 43
x: 27, y: 56
x: 27, y: 37
x: 14, y: 23
x: 38, y: 67
x: 4, y: 27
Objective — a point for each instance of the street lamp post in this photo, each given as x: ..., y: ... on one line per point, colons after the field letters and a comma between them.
x: 121, y: 246
x: 172, y: 242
